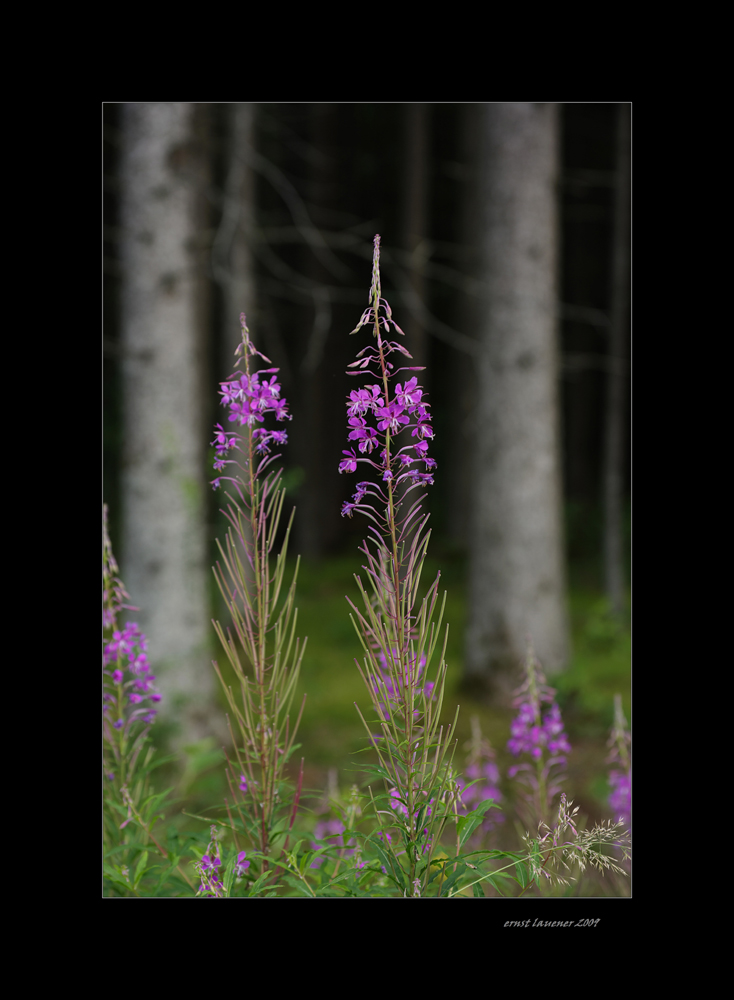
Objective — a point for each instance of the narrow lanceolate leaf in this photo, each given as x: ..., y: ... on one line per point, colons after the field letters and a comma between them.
x: 468, y: 824
x: 140, y: 868
x: 229, y: 876
x: 521, y: 874
x: 451, y: 880
x: 256, y: 886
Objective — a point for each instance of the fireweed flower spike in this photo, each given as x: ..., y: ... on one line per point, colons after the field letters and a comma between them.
x: 541, y: 737
x: 128, y: 700
x: 482, y: 778
x: 129, y: 696
x: 620, y: 757
x: 389, y: 432
x: 261, y: 645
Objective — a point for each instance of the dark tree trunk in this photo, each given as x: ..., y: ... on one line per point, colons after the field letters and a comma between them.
x: 618, y: 371
x: 414, y: 226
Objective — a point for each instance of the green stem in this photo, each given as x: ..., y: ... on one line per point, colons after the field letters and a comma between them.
x: 130, y: 804
x: 409, y: 679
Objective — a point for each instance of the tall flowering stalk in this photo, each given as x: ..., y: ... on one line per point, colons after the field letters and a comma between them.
x: 390, y: 429
x: 128, y: 694
x: 539, y: 735
x: 128, y: 700
x: 261, y: 644
x: 483, y: 778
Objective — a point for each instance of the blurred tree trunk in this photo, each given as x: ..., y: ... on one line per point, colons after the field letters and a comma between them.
x: 517, y: 585
x: 618, y: 372
x: 462, y: 365
x: 163, y: 302
x: 233, y: 266
x: 319, y: 421
x: 414, y: 227
x: 232, y: 251
x: 413, y: 212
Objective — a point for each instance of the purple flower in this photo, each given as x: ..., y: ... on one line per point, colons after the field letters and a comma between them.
x: 620, y: 798
x: 395, y: 695
x: 241, y: 865
x: 538, y: 735
x: 363, y: 400
x: 395, y: 802
x: 248, y: 399
x: 410, y: 394
x: 423, y: 429
x: 529, y: 737
x: 210, y: 864
x: 329, y: 830
x: 620, y: 778
x: 281, y: 411
x: 393, y: 418
x: 224, y: 440
x: 348, y: 464
x: 245, y: 413
x: 127, y: 650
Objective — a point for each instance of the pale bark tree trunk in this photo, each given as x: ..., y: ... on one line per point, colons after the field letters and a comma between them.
x: 163, y: 477
x: 517, y: 585
x: 618, y: 372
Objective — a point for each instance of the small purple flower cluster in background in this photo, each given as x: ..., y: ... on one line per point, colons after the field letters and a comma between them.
x: 385, y: 687
x: 529, y: 737
x: 620, y: 757
x: 536, y: 736
x: 329, y: 830
x: 127, y: 653
x: 483, y: 779
x: 248, y: 398
x: 620, y: 798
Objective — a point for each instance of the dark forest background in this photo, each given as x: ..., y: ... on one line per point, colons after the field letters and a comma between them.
x: 319, y: 181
